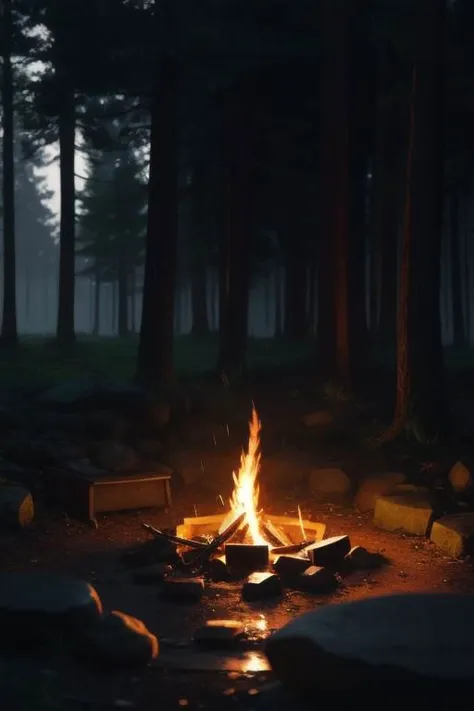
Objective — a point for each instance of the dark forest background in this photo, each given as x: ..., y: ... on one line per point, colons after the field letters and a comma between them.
x: 297, y: 172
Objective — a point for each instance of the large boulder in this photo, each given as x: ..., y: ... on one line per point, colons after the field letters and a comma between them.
x: 114, y: 456
x: 119, y: 641
x: 329, y: 482
x: 375, y: 486
x: 16, y: 506
x: 35, y: 606
x: 394, y: 638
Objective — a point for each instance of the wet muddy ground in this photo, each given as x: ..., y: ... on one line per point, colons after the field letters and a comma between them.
x: 186, y: 677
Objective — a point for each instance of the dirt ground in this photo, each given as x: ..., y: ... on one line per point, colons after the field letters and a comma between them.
x: 62, y: 545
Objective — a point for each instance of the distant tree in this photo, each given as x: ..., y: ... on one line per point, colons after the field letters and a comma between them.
x: 9, y: 333
x: 111, y: 224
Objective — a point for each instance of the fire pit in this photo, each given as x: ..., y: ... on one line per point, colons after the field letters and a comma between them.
x: 247, y: 543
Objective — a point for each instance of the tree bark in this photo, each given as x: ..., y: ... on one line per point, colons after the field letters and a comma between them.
x: 235, y: 235
x: 97, y: 294
x: 421, y: 394
x: 155, y: 352
x: 122, y: 287
x: 459, y: 335
x: 333, y: 321
x: 65, y: 334
x: 9, y: 335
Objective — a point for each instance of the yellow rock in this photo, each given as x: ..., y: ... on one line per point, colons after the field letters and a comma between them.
x: 411, y: 513
x: 454, y: 534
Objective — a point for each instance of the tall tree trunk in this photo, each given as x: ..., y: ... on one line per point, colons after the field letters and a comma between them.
x: 9, y: 335
x: 296, y: 282
x: 97, y: 294
x: 459, y: 335
x: 155, y: 352
x: 333, y: 322
x: 133, y: 300
x: 200, y: 320
x: 65, y: 334
x: 122, y: 287
x: 421, y: 391
x: 235, y: 235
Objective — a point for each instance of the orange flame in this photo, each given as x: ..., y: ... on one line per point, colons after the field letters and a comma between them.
x: 244, y: 498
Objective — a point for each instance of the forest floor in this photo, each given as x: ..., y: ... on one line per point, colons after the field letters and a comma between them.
x: 57, y: 543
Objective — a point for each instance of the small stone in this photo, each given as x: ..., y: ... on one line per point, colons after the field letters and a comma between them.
x: 219, y: 634
x: 119, y: 641
x: 151, y: 574
x: 315, y: 580
x: 289, y: 566
x: 329, y: 552
x: 261, y: 585
x: 411, y: 513
x: 157, y: 550
x: 460, y: 476
x: 16, y: 506
x: 329, y: 481
x: 454, y: 534
x: 362, y: 559
x: 318, y: 418
x: 375, y: 486
x: 183, y: 589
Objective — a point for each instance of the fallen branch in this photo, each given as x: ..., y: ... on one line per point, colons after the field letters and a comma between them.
x: 218, y: 541
x: 189, y: 543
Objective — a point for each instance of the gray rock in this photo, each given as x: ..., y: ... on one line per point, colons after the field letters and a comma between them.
x: 114, y: 456
x: 151, y: 574
x: 183, y: 589
x: 33, y: 606
x: 398, y: 638
x: 119, y: 641
x: 16, y: 506
x: 219, y: 634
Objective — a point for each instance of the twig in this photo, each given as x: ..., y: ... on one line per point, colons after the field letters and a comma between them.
x: 174, y: 539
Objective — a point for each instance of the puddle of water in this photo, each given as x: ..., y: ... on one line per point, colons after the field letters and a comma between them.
x: 250, y: 662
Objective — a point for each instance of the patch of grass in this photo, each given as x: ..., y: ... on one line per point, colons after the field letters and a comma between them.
x: 38, y: 360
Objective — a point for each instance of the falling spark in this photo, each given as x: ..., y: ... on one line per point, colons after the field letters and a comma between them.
x: 202, y: 466
x: 300, y: 518
x: 214, y: 439
x: 221, y: 501
x: 195, y: 509
x: 227, y: 430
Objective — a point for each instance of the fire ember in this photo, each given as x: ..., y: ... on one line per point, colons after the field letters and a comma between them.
x: 247, y: 543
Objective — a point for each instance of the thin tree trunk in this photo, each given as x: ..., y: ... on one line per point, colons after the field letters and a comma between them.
x: 296, y: 323
x: 459, y: 335
x: 9, y: 335
x: 333, y: 322
x: 133, y: 300
x: 467, y: 283
x: 122, y: 288
x: 278, y: 304
x: 200, y: 321
x: 97, y: 304
x: 155, y: 352
x: 65, y: 334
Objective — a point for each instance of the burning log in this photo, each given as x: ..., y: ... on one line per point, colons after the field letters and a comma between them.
x: 261, y: 585
x: 330, y: 552
x: 290, y: 566
x: 174, y: 539
x: 293, y: 548
x: 275, y: 535
x: 218, y: 541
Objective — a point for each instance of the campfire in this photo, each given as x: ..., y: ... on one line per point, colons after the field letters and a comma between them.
x: 247, y: 542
